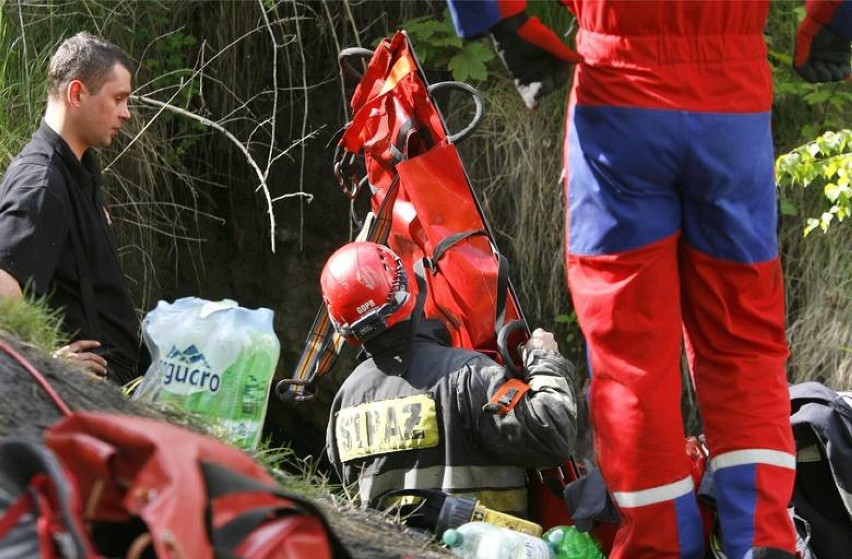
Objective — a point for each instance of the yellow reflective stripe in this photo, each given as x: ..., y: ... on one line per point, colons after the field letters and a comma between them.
x: 457, y: 479
x: 384, y: 426
x: 401, y: 68
x: 654, y: 495
x: 506, y: 500
x: 754, y: 456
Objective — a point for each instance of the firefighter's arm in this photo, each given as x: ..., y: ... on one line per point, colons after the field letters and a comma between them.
x: 536, y: 58
x: 823, y: 41
x: 541, y: 429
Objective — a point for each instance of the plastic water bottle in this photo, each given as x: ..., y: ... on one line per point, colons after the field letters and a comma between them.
x: 481, y: 540
x: 214, y: 359
x: 569, y: 543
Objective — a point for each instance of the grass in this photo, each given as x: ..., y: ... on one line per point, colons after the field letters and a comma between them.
x: 33, y: 322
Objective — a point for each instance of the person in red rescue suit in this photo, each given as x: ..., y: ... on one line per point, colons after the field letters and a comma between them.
x: 411, y: 415
x: 671, y: 238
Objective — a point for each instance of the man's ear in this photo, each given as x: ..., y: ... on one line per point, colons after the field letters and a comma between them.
x: 75, y: 92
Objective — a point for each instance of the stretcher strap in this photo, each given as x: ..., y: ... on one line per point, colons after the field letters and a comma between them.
x: 502, y: 271
x: 453, y: 240
x: 323, y: 345
x: 399, y: 149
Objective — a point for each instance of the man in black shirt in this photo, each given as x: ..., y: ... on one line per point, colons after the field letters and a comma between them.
x: 54, y: 230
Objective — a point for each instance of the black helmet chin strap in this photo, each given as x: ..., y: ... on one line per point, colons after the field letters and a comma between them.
x: 396, y: 344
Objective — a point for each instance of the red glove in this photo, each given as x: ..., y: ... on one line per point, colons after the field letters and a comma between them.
x: 821, y: 55
x: 536, y: 58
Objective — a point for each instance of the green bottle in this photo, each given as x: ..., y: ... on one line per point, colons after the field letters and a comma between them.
x: 569, y: 543
x: 246, y: 385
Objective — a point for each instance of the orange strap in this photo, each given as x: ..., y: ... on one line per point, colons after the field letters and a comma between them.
x: 507, y: 396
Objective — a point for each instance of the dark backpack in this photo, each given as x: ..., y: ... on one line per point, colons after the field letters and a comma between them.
x: 822, y: 426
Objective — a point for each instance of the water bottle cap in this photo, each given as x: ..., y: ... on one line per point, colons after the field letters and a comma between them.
x: 453, y: 538
x: 554, y: 537
x: 455, y: 511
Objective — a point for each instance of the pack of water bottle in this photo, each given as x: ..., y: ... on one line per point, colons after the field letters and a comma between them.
x: 214, y: 359
x: 481, y: 540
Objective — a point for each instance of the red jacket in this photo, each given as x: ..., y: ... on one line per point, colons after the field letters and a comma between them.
x: 670, y: 54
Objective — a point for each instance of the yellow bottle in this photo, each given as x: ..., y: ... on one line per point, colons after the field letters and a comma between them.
x: 458, y: 510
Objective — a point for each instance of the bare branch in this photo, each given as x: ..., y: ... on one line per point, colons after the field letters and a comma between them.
x: 240, y: 146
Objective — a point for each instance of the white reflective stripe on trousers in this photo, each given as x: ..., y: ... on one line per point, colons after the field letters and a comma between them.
x: 754, y: 456
x: 659, y: 494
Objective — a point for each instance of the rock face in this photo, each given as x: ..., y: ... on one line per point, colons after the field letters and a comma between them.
x: 27, y: 409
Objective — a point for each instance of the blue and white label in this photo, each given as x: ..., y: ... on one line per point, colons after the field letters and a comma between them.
x: 187, y: 371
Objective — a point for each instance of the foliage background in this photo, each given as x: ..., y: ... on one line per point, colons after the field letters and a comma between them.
x: 221, y: 186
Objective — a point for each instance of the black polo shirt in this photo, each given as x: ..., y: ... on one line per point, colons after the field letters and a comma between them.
x: 46, y: 196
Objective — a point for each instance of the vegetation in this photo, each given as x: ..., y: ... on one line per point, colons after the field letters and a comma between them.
x: 33, y: 322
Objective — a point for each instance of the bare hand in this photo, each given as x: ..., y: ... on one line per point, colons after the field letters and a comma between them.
x: 77, y: 351
x: 541, y: 339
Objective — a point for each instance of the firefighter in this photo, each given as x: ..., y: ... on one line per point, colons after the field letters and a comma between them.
x: 410, y: 416
x: 671, y: 240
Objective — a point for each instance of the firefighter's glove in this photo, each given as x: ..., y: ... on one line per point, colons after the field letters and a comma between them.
x: 536, y: 58
x: 545, y: 367
x: 821, y: 55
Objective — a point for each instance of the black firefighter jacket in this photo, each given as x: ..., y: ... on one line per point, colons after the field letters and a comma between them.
x: 421, y: 425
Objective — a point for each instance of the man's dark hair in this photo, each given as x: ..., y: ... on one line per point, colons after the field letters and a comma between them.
x: 87, y: 58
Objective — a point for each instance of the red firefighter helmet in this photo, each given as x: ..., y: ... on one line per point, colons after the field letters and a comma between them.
x: 365, y: 289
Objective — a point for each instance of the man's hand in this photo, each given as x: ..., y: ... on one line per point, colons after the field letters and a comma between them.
x: 78, y: 352
x: 536, y: 58
x: 821, y: 55
x: 9, y: 287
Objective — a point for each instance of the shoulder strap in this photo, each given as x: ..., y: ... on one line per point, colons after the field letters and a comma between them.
x: 87, y: 292
x: 507, y: 396
x: 502, y: 289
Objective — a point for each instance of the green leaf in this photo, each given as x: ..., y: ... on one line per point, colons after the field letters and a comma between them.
x: 787, y: 208
x: 811, y: 225
x: 832, y: 191
x: 448, y: 41
x: 470, y: 63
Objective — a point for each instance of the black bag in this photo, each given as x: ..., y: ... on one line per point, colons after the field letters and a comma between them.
x: 822, y: 426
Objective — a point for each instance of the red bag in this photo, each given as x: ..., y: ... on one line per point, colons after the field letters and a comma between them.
x: 39, y: 510
x: 118, y: 486
x: 423, y: 206
x: 183, y: 494
x: 403, y: 138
